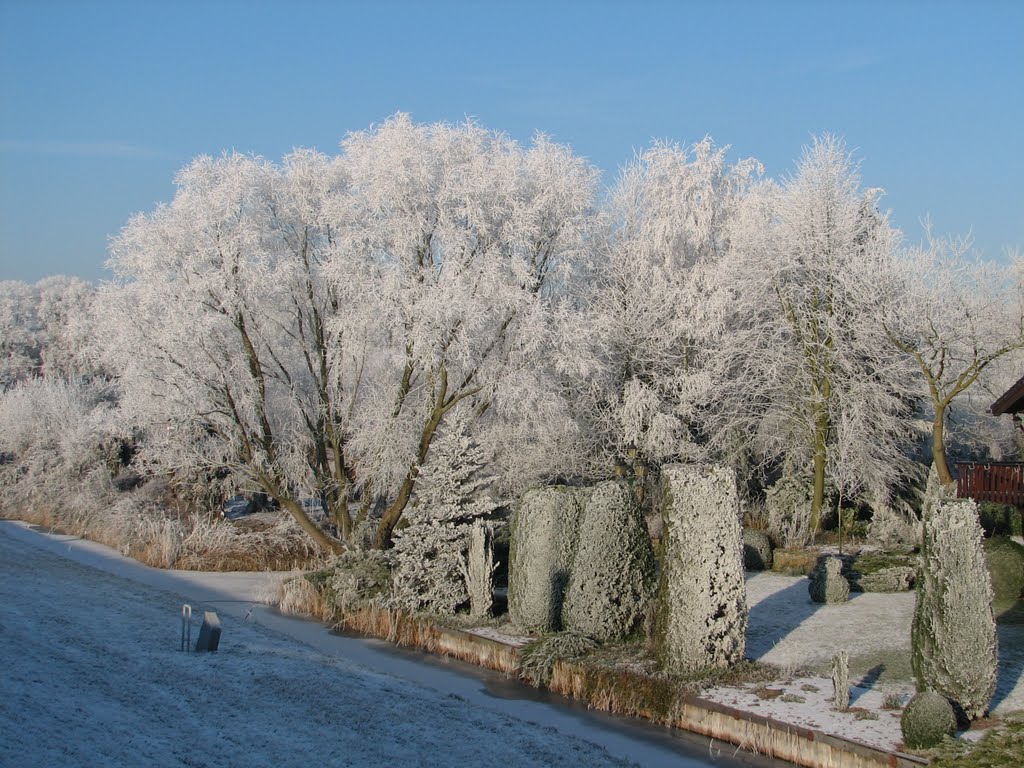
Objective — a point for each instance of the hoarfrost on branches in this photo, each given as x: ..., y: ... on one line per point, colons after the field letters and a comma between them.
x: 957, y: 319
x: 804, y: 366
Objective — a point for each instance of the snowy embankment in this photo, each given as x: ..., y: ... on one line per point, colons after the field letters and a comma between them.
x: 94, y: 676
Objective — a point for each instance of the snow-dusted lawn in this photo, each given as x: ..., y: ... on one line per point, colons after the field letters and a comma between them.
x: 92, y: 676
x: 787, y: 629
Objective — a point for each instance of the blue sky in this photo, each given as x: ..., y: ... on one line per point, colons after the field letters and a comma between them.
x: 102, y: 101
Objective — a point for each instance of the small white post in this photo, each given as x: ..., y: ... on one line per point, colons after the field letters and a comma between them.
x: 186, y: 627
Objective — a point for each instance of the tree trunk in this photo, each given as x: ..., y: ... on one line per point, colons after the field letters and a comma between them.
x: 822, y: 425
x: 394, y: 513
x: 939, y: 445
x: 322, y: 540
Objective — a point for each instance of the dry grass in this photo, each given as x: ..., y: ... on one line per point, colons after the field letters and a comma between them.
x: 296, y: 596
x: 148, y: 525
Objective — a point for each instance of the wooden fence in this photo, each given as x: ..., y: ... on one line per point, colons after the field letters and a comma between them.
x: 996, y: 481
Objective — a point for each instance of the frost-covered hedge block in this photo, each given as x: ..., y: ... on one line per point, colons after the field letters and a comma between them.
x: 828, y: 585
x: 898, y: 578
x: 613, y: 576
x: 701, y: 619
x: 545, y: 530
x: 953, y: 637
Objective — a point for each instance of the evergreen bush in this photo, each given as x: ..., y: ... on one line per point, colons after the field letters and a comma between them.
x: 701, y: 613
x: 1000, y: 519
x: 612, y: 580
x: 757, y: 550
x: 926, y: 720
x: 828, y: 585
x: 428, y: 555
x: 953, y: 640
x: 478, y: 570
x: 545, y: 528
x: 1005, y: 559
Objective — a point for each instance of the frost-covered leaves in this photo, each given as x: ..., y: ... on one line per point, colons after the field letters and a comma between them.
x: 953, y: 636
x: 429, y: 553
x: 613, y: 573
x: 545, y: 534
x: 702, y: 611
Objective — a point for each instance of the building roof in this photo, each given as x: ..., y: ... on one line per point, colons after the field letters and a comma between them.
x: 1010, y: 402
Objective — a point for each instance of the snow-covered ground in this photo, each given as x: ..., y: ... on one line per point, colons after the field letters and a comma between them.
x: 93, y: 675
x: 786, y: 628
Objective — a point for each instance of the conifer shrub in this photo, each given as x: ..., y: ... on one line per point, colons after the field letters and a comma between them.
x: 926, y: 720
x: 358, y: 578
x: 478, y: 570
x: 545, y: 528
x: 613, y: 577
x: 788, y: 509
x: 428, y: 556
x: 701, y: 613
x: 953, y: 636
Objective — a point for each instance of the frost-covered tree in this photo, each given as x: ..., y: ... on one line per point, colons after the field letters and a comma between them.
x: 613, y: 576
x: 545, y: 533
x: 953, y: 636
x: 54, y: 434
x: 804, y: 366
x: 65, y: 311
x: 224, y: 335
x: 464, y: 240
x: 955, y: 317
x: 701, y: 618
x: 429, y: 552
x: 20, y: 333
x: 44, y: 328
x: 652, y: 312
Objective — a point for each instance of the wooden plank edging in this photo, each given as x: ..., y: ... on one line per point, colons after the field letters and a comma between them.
x: 746, y: 730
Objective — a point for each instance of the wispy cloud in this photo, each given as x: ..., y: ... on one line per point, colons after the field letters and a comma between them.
x: 73, y: 148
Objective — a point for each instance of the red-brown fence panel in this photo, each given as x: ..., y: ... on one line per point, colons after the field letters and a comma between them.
x: 995, y: 481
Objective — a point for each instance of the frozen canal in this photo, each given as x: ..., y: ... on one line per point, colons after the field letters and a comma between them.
x: 95, y: 676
